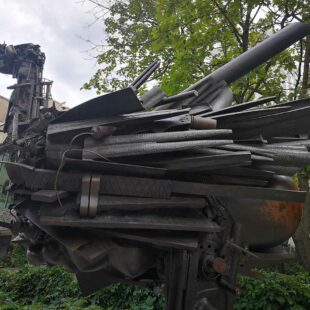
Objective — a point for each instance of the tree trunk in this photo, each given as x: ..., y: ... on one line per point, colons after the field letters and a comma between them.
x: 302, y: 235
x: 305, y: 76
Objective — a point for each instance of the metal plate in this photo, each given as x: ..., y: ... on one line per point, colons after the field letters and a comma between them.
x: 119, y: 102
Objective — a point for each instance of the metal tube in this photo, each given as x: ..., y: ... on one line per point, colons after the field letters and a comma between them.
x: 181, y: 96
x: 132, y: 149
x: 144, y: 75
x: 257, y: 55
x: 162, y: 137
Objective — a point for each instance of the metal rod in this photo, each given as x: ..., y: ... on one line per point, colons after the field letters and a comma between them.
x: 257, y: 55
x: 144, y: 75
x: 162, y: 137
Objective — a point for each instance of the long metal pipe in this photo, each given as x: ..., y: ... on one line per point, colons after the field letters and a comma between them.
x: 257, y: 55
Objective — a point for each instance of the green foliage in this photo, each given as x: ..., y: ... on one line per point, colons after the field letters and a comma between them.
x: 15, y: 258
x: 192, y: 39
x: 56, y: 287
x: 23, y: 286
x: 275, y: 291
x: 26, y: 287
x: 122, y: 296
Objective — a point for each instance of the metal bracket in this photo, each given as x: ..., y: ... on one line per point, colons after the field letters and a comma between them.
x: 89, y: 196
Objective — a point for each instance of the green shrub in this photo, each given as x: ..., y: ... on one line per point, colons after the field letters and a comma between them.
x: 121, y: 296
x: 23, y: 286
x: 15, y: 258
x: 29, y: 284
x: 275, y: 291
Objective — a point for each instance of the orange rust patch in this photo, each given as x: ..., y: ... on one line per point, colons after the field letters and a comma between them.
x: 284, y: 215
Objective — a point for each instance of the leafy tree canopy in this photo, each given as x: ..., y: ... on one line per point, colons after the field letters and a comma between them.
x: 192, y: 38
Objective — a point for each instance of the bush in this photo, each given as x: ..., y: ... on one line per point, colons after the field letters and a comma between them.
x: 16, y: 257
x: 26, y: 287
x: 275, y: 291
x: 23, y: 286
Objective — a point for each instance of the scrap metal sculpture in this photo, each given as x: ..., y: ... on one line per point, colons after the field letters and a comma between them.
x: 186, y: 190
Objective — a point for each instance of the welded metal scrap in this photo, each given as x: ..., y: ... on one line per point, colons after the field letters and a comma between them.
x: 155, y: 188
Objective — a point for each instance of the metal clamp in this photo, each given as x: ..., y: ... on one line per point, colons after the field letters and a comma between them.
x: 89, y: 196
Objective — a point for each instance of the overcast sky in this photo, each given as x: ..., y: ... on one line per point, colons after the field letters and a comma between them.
x: 57, y: 26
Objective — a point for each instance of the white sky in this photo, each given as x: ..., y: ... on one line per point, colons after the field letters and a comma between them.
x: 58, y: 26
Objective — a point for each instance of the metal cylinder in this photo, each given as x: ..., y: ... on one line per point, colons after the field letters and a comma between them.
x: 257, y: 55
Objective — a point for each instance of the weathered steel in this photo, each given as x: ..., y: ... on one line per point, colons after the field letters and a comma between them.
x: 203, y: 123
x: 94, y: 196
x: 101, y: 106
x: 206, y: 163
x: 133, y: 149
x: 123, y: 119
x: 161, y: 137
x: 110, y: 203
x: 175, y: 240
x: 241, y: 107
x: 193, y: 222
x: 142, y: 78
x: 48, y: 195
x: 85, y: 192
x: 182, y: 96
x: 114, y: 168
x: 170, y: 204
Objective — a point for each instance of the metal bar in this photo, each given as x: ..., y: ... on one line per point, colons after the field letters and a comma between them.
x: 237, y: 180
x: 207, y: 163
x: 133, y: 149
x: 280, y: 155
x: 134, y: 221
x: 108, y: 203
x: 153, y: 97
x: 123, y: 119
x: 114, y: 168
x: 260, y: 173
x: 240, y: 107
x: 143, y: 187
x: 161, y: 137
x: 175, y: 240
x: 250, y: 114
x: 237, y: 191
x: 142, y: 78
x: 181, y: 96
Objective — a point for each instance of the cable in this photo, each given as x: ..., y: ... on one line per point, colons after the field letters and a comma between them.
x: 79, y: 135
x: 62, y: 161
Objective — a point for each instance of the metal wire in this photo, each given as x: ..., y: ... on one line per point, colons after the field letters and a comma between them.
x: 62, y: 161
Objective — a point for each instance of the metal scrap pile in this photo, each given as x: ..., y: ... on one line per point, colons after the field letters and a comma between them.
x: 129, y: 188
x: 245, y: 146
